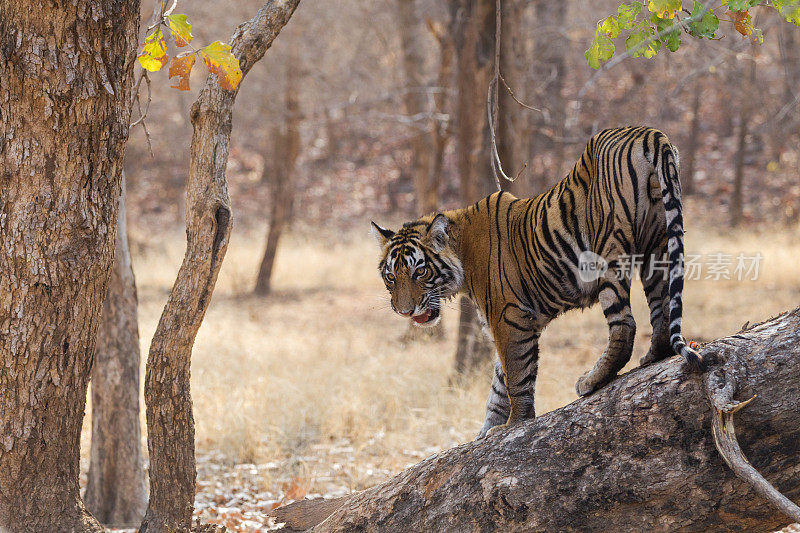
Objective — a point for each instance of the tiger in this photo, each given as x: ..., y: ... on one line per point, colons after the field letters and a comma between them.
x: 521, y: 261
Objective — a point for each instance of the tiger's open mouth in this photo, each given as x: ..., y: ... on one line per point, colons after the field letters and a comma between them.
x: 430, y: 315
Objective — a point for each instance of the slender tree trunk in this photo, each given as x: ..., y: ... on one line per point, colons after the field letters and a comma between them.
x: 547, y: 75
x: 644, y: 453
x: 473, y: 31
x: 512, y: 128
x: 170, y: 423
x: 473, y: 346
x: 440, y: 132
x: 687, y: 170
x: 286, y: 148
x: 415, y: 99
x: 745, y: 112
x: 116, y: 490
x: 66, y: 73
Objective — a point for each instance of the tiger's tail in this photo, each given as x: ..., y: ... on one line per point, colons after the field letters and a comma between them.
x: 667, y: 170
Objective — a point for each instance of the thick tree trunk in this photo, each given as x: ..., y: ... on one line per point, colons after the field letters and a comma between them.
x: 116, y: 490
x: 66, y: 72
x: 286, y: 149
x: 638, y: 455
x: 170, y: 422
x: 473, y: 31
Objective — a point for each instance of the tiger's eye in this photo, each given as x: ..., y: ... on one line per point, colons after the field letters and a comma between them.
x: 420, y: 271
x: 390, y: 277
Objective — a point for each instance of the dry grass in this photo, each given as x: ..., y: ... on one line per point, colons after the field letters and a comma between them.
x: 315, y: 377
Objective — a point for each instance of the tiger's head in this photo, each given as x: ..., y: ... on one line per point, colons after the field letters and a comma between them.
x: 419, y: 267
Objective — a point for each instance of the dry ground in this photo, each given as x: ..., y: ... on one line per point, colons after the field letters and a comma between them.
x: 310, y: 390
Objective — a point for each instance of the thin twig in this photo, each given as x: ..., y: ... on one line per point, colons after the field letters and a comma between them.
x: 517, y: 100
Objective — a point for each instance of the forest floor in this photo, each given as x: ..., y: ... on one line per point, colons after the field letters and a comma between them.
x: 311, y: 392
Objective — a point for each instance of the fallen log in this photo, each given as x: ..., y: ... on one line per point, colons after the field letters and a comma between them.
x: 638, y: 455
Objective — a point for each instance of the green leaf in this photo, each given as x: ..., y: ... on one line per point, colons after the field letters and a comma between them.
x: 705, y: 22
x: 181, y: 29
x: 223, y: 63
x: 789, y: 9
x: 627, y: 14
x: 602, y: 49
x: 671, y: 38
x: 154, y: 52
x: 666, y: 9
x: 611, y: 27
x: 641, y: 42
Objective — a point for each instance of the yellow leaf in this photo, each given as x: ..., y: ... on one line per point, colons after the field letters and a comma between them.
x: 181, y: 30
x: 154, y: 52
x: 223, y: 63
x: 181, y: 67
x: 742, y: 21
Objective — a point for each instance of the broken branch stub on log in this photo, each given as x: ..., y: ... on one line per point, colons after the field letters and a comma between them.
x: 638, y: 455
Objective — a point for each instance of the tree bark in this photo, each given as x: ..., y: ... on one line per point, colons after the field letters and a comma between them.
x: 170, y: 423
x: 286, y: 146
x: 638, y: 455
x: 116, y: 490
x: 473, y: 30
x: 66, y: 73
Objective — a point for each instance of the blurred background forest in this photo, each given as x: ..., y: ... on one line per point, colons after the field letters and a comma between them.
x: 307, y: 383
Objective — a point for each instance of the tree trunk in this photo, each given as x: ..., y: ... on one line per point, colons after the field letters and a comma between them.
x: 66, y: 73
x: 638, y: 455
x: 441, y: 130
x: 286, y: 150
x: 512, y: 128
x: 547, y: 75
x: 687, y: 172
x: 745, y: 112
x: 116, y: 491
x: 170, y: 423
x: 472, y: 346
x: 415, y: 100
x: 473, y: 31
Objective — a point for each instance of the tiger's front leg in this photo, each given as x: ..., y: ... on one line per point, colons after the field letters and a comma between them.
x: 518, y: 350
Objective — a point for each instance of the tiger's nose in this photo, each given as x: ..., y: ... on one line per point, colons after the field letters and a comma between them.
x: 403, y: 312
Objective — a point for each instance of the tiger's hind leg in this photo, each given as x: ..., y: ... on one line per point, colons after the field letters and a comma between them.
x: 498, y: 407
x: 655, y: 283
x: 615, y: 299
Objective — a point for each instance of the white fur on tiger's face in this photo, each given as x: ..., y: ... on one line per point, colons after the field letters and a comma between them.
x: 419, y: 268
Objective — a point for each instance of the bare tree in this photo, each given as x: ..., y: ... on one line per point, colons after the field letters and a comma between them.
x: 648, y: 452
x: 170, y: 422
x: 116, y: 488
x: 65, y: 80
x: 286, y: 149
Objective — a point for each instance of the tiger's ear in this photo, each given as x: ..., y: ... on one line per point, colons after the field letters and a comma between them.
x: 437, y: 232
x: 381, y: 234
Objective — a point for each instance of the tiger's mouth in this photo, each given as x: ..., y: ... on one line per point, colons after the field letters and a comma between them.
x: 428, y: 318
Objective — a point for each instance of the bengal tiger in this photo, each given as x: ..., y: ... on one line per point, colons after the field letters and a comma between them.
x: 520, y: 261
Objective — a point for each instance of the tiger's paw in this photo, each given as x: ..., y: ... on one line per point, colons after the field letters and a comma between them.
x: 587, y: 384
x: 495, y: 429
